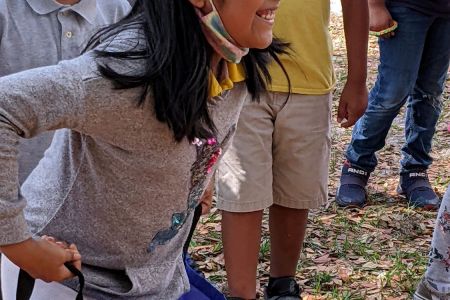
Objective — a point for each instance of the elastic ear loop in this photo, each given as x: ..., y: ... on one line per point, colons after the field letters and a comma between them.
x: 213, y: 6
x: 384, y: 31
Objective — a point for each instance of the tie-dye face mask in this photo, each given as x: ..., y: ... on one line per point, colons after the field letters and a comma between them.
x: 219, y: 38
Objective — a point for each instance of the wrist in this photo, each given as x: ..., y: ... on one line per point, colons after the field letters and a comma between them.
x: 357, y: 80
x: 18, y: 249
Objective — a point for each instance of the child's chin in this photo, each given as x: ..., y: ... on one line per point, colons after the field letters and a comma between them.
x: 265, y: 43
x: 261, y: 41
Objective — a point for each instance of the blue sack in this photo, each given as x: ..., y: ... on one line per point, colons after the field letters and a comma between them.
x: 201, y: 289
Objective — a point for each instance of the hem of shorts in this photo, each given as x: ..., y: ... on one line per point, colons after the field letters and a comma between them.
x: 238, y: 207
x: 301, y: 91
x: 295, y: 204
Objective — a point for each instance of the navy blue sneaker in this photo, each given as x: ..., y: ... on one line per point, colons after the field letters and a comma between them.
x: 352, y: 188
x: 283, y: 288
x: 416, y: 186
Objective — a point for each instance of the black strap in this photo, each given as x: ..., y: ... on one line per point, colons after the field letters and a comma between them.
x: 196, y: 218
x: 25, y: 283
x: 419, y: 183
x: 80, y: 276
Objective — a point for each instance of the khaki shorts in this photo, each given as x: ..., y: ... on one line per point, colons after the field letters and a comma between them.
x: 280, y: 155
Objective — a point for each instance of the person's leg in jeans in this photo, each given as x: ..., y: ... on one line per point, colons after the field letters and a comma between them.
x: 400, y: 58
x: 425, y: 103
x: 423, y: 111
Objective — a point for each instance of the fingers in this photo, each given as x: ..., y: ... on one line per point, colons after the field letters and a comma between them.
x: 342, y: 112
x: 72, y: 255
x: 390, y: 33
x: 71, y: 251
x: 384, y: 30
x: 61, y: 244
x: 205, y: 208
x: 65, y: 273
x: 60, y: 272
x: 77, y: 256
x: 48, y: 238
x: 348, y: 123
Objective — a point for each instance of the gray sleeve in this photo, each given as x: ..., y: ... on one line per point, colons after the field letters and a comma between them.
x: 32, y: 102
x: 70, y: 95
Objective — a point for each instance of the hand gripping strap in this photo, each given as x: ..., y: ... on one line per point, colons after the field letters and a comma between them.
x: 25, y: 283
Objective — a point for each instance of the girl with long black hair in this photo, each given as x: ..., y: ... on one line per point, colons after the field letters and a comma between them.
x: 142, y: 117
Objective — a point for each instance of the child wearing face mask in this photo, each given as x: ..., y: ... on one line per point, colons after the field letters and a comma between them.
x: 141, y: 122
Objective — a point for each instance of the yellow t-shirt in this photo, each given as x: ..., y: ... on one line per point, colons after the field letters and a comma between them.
x: 304, y: 24
x: 235, y: 73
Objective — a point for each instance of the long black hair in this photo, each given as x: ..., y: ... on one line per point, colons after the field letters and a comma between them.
x: 177, y: 61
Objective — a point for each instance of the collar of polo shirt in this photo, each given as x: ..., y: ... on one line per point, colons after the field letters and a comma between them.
x: 85, y: 8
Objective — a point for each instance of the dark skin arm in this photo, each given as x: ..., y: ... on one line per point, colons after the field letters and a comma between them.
x: 353, y: 102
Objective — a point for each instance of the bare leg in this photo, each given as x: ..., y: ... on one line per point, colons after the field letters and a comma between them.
x: 287, y: 232
x: 241, y: 234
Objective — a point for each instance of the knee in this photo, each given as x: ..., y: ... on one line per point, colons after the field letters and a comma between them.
x: 433, y: 99
x: 389, y: 96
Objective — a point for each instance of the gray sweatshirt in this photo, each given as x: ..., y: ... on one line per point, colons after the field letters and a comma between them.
x: 113, y: 181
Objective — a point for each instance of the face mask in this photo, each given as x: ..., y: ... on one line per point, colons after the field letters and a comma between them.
x: 219, y: 38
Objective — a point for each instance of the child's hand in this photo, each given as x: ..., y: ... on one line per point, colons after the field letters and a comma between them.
x: 63, y: 245
x: 43, y: 259
x: 206, y: 200
x: 380, y: 19
x: 353, y: 103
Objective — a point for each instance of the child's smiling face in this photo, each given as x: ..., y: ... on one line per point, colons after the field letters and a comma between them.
x: 249, y: 22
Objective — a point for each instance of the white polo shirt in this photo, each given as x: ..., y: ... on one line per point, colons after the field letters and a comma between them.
x: 36, y: 33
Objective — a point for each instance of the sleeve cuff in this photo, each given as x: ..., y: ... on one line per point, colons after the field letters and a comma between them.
x: 14, y: 230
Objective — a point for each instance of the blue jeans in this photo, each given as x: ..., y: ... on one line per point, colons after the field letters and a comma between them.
x: 413, y: 68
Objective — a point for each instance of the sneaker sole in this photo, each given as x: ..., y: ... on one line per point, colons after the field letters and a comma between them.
x: 354, y: 205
